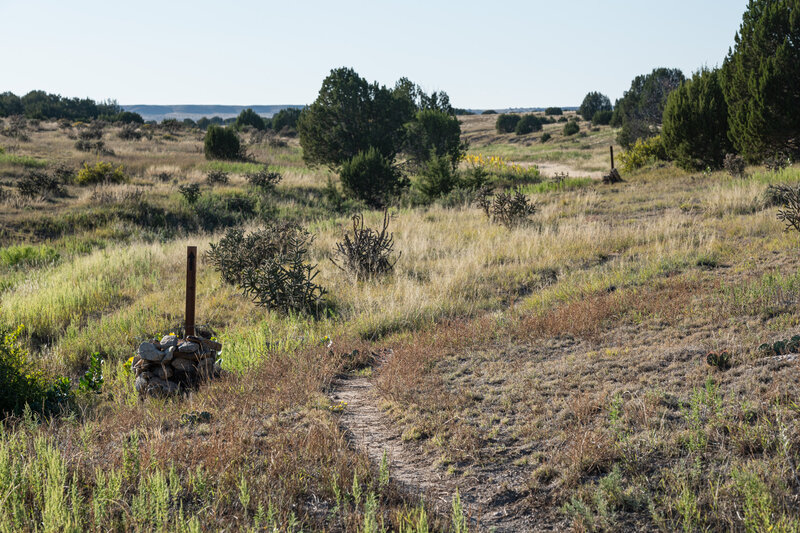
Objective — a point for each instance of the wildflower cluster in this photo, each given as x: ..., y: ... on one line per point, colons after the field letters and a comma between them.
x: 499, y: 166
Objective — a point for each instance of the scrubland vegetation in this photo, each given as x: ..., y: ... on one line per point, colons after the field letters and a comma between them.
x: 554, y: 352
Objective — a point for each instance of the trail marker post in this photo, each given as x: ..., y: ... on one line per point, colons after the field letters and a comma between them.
x: 612, y: 156
x: 191, y: 287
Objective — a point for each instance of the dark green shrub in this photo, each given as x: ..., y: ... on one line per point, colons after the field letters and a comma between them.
x: 505, y: 209
x: 546, y: 137
x: 366, y: 252
x: 721, y: 360
x: 263, y: 179
x: 370, y: 177
x: 217, y: 177
x: 248, y: 117
x: 562, y: 119
x: 528, y: 124
x: 190, y: 192
x: 592, y: 103
x: 489, y: 112
x: 437, y: 178
x: 759, y: 78
x: 640, y: 110
x: 553, y: 111
x: 42, y: 185
x: 571, y: 128
x: 22, y: 384
x: 222, y: 143
x: 602, y: 118
x: 285, y: 120
x: 270, y: 267
x: 506, y: 123
x: 695, y: 130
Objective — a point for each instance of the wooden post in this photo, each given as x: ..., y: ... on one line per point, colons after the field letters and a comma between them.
x: 191, y: 287
x: 612, y: 156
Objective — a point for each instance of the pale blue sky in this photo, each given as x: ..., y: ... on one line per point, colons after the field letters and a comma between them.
x: 484, y: 54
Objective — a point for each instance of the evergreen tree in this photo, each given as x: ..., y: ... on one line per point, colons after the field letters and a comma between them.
x: 761, y: 80
x: 592, y: 103
x: 248, y: 117
x: 434, y: 133
x: 695, y: 129
x: 639, y: 112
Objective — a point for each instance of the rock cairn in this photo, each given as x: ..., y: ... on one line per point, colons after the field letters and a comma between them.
x: 168, y: 366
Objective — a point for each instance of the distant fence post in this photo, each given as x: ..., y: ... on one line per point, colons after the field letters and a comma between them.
x: 612, y: 156
x: 191, y: 287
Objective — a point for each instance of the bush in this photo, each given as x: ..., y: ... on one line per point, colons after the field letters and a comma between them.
x: 489, y: 112
x: 506, y: 123
x: 602, y: 118
x: 734, y: 164
x: 22, y: 384
x: 190, y: 192
x: 431, y: 134
x: 437, y: 178
x: 263, y: 179
x: 643, y: 152
x: 369, y: 252
x: 546, y: 137
x: 553, y: 111
x: 129, y: 132
x: 248, y: 117
x: 101, y: 172
x: 505, y: 209
x: 571, y: 128
x: 222, y: 143
x: 286, y: 119
x: 269, y: 266
x: 217, y: 177
x: 695, y: 130
x: 41, y: 184
x: 528, y: 124
x: 370, y: 177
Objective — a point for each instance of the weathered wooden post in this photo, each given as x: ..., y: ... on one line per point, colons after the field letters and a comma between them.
x: 612, y: 156
x: 191, y: 287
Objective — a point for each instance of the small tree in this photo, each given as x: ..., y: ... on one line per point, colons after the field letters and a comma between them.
x: 221, y: 143
x: 371, y: 177
x: 592, y: 103
x: 506, y: 123
x: 437, y: 178
x: 602, y: 118
x: 571, y: 128
x: 640, y: 110
x: 553, y: 111
x: 285, y: 118
x: 434, y: 134
x: 695, y: 130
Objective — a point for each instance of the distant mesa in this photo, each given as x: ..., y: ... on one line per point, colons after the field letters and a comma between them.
x: 195, y: 112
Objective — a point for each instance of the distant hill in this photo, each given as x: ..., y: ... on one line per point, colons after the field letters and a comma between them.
x: 194, y: 112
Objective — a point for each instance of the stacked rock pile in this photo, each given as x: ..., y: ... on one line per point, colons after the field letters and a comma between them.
x: 168, y: 366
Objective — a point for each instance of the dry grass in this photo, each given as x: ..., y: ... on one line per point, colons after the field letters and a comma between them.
x: 565, y: 358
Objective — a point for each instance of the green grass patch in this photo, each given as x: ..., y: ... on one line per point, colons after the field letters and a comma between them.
x: 234, y: 167
x: 22, y: 160
x: 568, y: 184
x: 26, y: 255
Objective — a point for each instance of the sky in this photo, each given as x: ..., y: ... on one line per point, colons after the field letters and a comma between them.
x: 485, y: 55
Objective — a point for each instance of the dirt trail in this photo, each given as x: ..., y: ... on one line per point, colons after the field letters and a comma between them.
x: 485, y: 495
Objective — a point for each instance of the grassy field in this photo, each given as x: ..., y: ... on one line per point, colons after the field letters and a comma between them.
x: 559, y: 367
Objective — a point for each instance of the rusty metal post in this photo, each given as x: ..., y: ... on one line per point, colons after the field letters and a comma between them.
x: 612, y: 156
x: 191, y: 287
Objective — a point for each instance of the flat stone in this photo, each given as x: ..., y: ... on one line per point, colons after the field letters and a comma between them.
x: 160, y: 387
x: 162, y: 372
x: 140, y: 384
x: 168, y: 340
x: 188, y: 347
x: 169, y: 355
x: 185, y: 365
x: 149, y: 352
